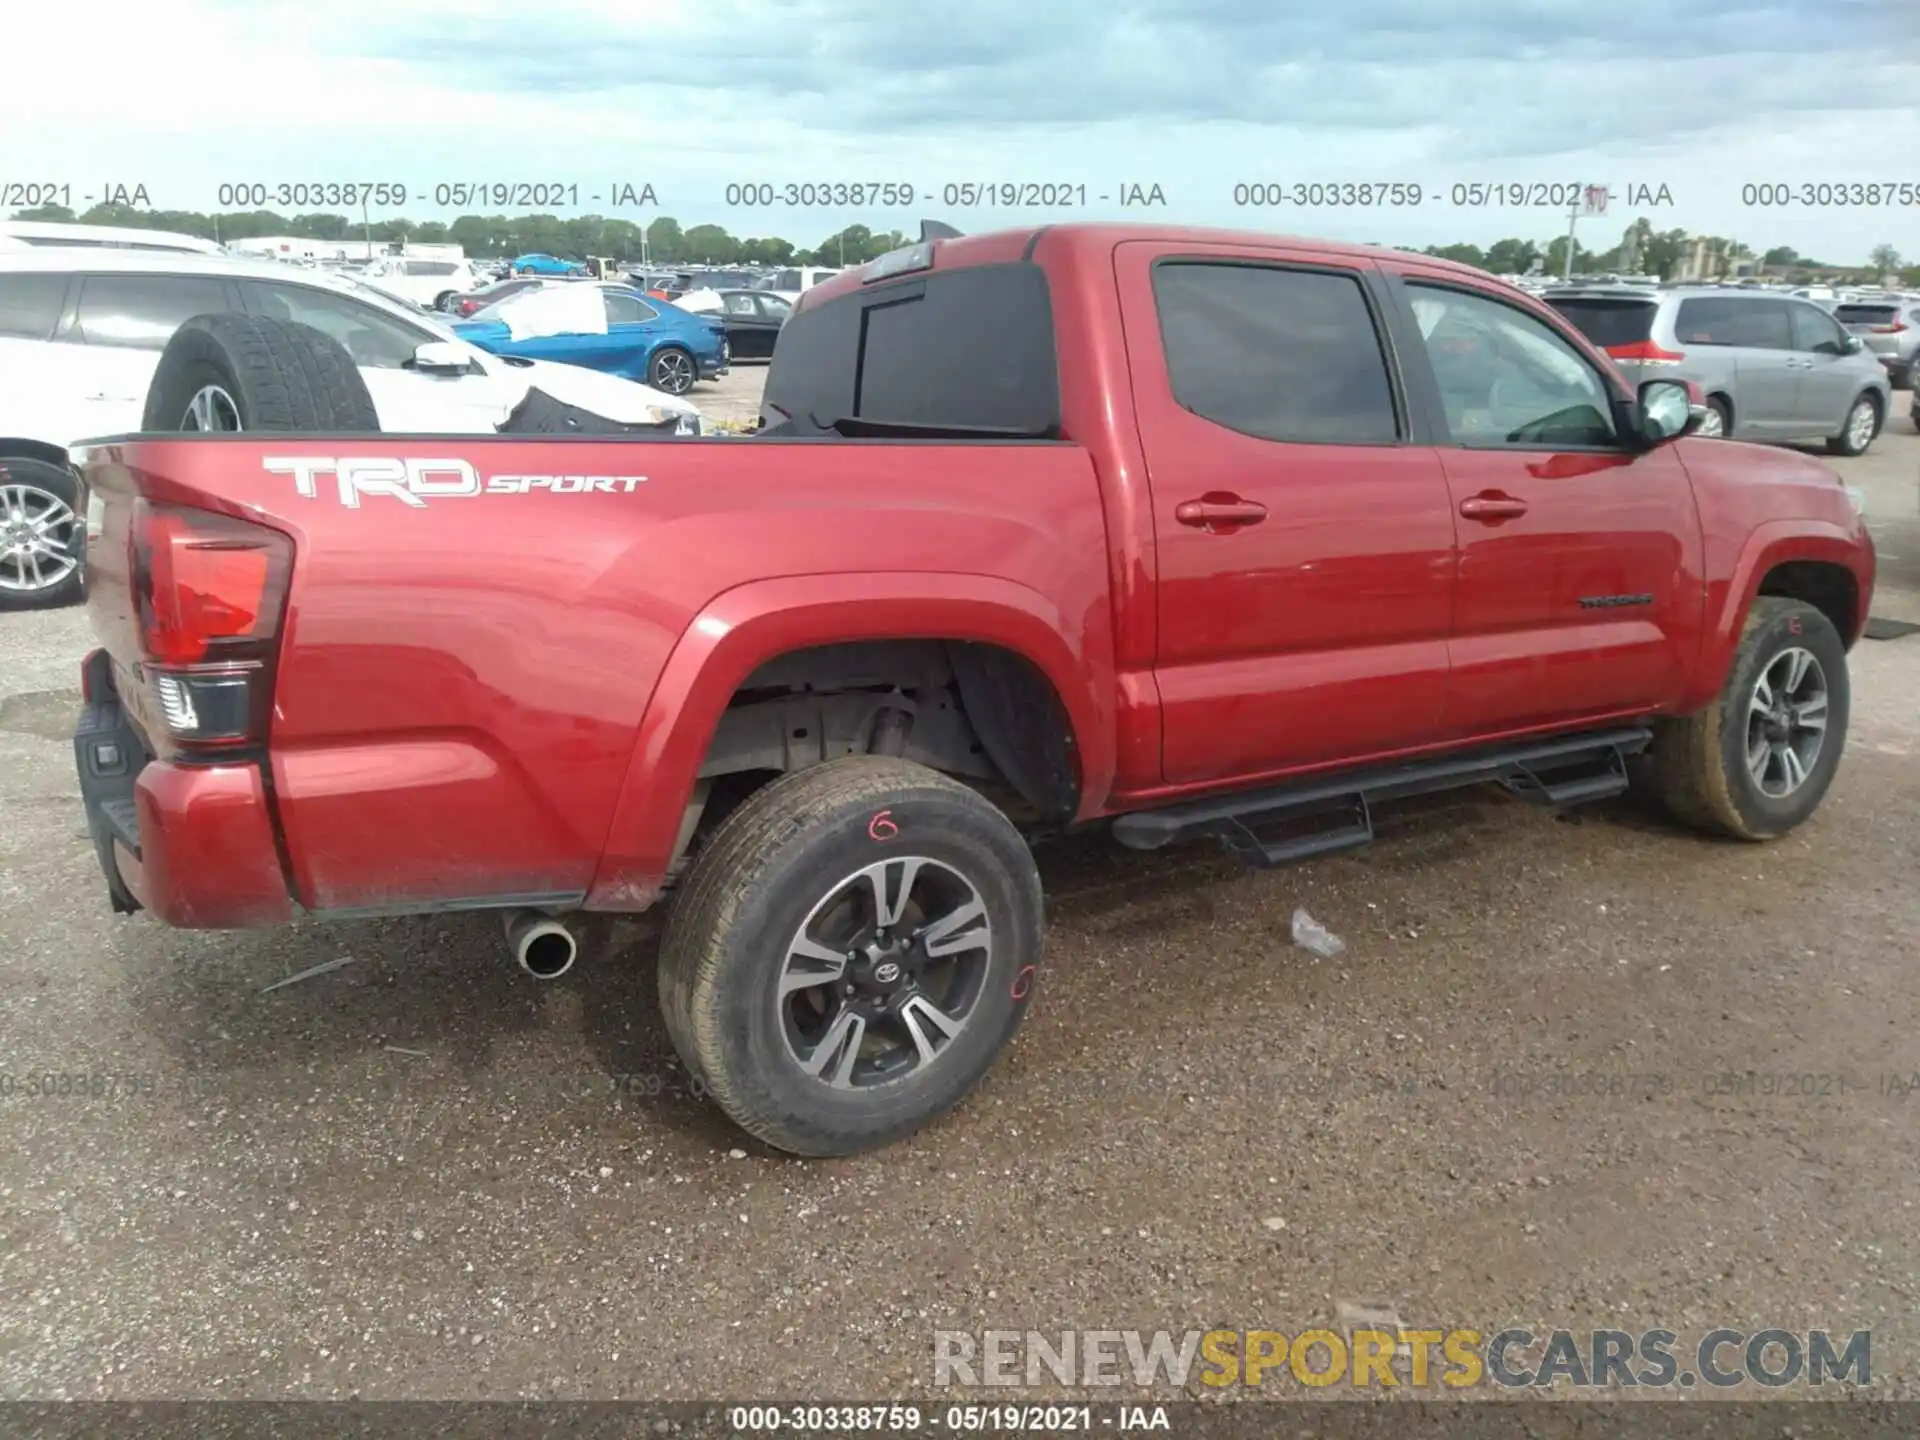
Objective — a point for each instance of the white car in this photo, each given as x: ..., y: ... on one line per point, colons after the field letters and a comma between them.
x: 428, y: 283
x: 81, y: 331
x: 794, y: 281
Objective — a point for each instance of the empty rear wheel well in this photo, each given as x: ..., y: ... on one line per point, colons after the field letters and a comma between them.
x: 983, y: 714
x: 1829, y: 588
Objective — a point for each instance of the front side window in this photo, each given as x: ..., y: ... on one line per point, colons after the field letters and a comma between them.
x: 375, y: 339
x: 1506, y: 378
x: 1288, y: 355
x: 1815, y: 330
x: 141, y: 312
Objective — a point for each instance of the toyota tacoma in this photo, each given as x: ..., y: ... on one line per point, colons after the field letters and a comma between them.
x: 1185, y: 533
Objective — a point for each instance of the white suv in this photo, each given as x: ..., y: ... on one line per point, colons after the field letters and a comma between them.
x: 81, y: 331
x: 430, y: 284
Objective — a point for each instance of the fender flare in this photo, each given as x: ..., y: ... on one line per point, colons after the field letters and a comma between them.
x: 742, y: 628
x: 1774, y: 542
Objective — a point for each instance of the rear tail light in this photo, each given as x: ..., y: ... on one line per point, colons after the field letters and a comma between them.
x: 209, y: 591
x: 1646, y: 352
x: 1894, y: 329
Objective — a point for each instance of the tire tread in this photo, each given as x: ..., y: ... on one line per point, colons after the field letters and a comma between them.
x: 731, y: 866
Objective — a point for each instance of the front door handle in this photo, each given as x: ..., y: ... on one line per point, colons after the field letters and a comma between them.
x: 1218, y: 512
x: 1492, y: 505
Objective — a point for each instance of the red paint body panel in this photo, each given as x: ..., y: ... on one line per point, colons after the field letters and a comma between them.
x: 207, y: 858
x: 495, y: 696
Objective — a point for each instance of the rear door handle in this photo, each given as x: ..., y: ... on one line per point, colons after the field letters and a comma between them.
x: 1218, y: 512
x: 1492, y: 505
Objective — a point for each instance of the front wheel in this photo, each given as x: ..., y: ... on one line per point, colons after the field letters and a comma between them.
x: 1718, y: 420
x: 672, y: 370
x: 1863, y: 423
x: 1758, y: 761
x: 851, y: 951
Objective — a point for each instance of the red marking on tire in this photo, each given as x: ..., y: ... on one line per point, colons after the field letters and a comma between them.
x: 881, y: 826
x: 1793, y: 624
x: 1023, y: 983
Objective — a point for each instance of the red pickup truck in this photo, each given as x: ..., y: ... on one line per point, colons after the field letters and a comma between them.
x: 1186, y: 532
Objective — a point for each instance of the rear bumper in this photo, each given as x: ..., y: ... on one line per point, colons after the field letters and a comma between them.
x: 194, y: 844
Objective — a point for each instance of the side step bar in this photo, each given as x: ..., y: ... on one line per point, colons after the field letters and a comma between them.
x: 1337, y: 811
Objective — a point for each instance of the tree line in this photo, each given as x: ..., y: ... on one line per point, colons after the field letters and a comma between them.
x: 1661, y: 253
x: 663, y: 241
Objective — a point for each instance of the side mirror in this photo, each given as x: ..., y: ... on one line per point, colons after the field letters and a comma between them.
x: 441, y: 356
x: 1670, y: 409
x: 1852, y: 345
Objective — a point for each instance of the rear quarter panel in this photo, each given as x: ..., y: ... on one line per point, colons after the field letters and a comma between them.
x: 462, y: 682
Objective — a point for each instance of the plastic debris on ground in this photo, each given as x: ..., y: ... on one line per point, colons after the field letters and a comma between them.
x: 1310, y: 935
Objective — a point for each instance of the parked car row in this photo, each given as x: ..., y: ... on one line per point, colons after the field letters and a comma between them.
x: 1772, y: 367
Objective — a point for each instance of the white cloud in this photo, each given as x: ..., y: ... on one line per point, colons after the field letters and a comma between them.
x: 186, y: 95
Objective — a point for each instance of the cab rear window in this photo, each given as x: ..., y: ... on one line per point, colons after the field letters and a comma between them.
x: 970, y: 349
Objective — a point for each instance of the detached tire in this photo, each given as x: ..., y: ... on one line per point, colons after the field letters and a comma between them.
x: 851, y: 951
x: 1759, y: 760
x: 251, y: 372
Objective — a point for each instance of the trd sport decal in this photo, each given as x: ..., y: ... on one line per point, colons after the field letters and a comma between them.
x: 414, y: 482
x: 1613, y: 602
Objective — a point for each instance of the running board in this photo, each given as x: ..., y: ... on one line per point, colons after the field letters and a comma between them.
x: 1566, y: 770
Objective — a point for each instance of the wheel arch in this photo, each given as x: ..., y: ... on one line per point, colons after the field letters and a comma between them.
x: 1823, y: 564
x: 19, y: 447
x: 1000, y: 627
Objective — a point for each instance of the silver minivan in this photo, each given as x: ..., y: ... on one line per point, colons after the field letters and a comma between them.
x: 1773, y: 367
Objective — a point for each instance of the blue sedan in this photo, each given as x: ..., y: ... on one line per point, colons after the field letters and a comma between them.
x: 546, y: 265
x: 646, y: 340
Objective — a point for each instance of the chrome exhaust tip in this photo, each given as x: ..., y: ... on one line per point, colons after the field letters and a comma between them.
x: 542, y: 946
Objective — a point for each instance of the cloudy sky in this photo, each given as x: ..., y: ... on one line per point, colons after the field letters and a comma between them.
x: 1194, y: 96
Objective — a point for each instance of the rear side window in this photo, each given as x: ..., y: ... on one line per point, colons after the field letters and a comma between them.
x: 626, y: 309
x: 1288, y: 355
x: 30, y: 305
x: 969, y: 348
x: 1609, y: 322
x: 430, y: 267
x: 1714, y: 320
x: 141, y: 312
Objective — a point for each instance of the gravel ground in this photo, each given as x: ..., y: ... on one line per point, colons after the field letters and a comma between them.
x: 423, y: 1176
